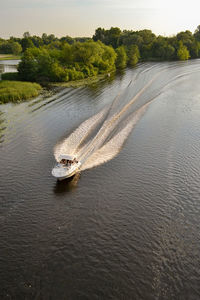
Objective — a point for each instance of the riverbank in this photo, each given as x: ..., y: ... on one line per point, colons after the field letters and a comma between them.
x: 18, y: 91
x: 74, y: 83
x: 82, y: 82
x: 14, y: 90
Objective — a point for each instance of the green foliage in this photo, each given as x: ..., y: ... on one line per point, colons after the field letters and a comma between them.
x: 16, y: 91
x: 182, y: 53
x: 10, y: 76
x: 48, y: 58
x: 195, y: 49
x: 72, y: 62
x: 67, y: 39
x: 67, y: 54
x: 108, y: 37
x: 10, y: 47
x: 162, y: 50
x: 150, y: 46
x: 28, y: 67
x: 186, y: 37
x: 133, y: 54
x: 169, y: 52
x: 26, y: 43
x: 47, y: 39
x: 16, y: 48
x: 121, y: 59
x: 197, y: 34
x: 146, y: 51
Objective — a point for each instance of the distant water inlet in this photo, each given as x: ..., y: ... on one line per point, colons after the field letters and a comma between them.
x: 8, y: 66
x: 101, y: 137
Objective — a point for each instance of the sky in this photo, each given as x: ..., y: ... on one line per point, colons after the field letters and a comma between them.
x: 78, y: 18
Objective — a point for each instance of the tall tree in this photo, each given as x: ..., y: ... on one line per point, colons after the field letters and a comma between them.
x: 133, y: 54
x: 183, y: 53
x: 121, y: 59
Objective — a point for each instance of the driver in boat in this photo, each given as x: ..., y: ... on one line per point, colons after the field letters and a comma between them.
x: 68, y: 162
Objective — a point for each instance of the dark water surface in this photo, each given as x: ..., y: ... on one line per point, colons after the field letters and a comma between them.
x: 128, y: 229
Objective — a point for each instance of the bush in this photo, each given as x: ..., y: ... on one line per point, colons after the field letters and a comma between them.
x: 73, y: 75
x: 10, y: 76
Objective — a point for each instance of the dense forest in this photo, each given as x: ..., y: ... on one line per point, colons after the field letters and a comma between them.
x: 48, y: 58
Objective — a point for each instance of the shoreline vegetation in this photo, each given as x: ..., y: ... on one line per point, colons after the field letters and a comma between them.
x: 80, y: 82
x: 72, y: 62
x: 17, y: 91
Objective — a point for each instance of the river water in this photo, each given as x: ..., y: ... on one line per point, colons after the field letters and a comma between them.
x: 8, y: 66
x: 125, y: 229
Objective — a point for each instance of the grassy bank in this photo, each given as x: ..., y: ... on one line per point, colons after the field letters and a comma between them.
x: 9, y: 56
x: 17, y: 91
x: 74, y: 83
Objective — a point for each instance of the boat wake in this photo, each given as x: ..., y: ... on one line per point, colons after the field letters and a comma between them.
x: 101, y: 137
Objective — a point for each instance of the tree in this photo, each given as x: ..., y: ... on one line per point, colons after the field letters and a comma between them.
x: 16, y: 48
x: 133, y: 54
x: 28, y: 67
x: 121, y: 59
x: 26, y: 34
x: 161, y: 49
x: 195, y: 49
x: 26, y: 43
x: 197, y: 33
x: 107, y: 61
x: 66, y: 54
x: 108, y: 37
x: 169, y: 52
x: 72, y: 62
x: 67, y: 39
x: 147, y: 36
x: 128, y: 38
x: 47, y: 39
x: 99, y: 34
x: 5, y: 47
x: 183, y: 53
x: 37, y: 41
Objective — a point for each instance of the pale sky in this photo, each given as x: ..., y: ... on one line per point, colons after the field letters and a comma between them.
x: 81, y: 17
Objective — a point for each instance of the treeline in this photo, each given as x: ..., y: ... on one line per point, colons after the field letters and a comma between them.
x: 17, y: 46
x: 71, y: 62
x: 183, y: 46
x: 48, y: 58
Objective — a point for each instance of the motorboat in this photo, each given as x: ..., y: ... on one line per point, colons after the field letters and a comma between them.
x: 66, y: 167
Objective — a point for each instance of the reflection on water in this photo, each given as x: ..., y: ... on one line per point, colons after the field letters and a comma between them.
x: 2, y: 127
x: 67, y: 185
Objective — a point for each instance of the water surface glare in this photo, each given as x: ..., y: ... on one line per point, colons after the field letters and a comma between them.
x: 125, y: 229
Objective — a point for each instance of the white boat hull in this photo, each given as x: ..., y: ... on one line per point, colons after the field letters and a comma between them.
x: 62, y: 172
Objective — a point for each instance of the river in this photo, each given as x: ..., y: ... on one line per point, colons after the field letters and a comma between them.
x: 125, y: 229
x: 8, y: 66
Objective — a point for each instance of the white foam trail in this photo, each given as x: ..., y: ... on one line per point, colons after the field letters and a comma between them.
x: 110, y: 124
x: 71, y: 143
x: 101, y: 137
x: 113, y: 147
